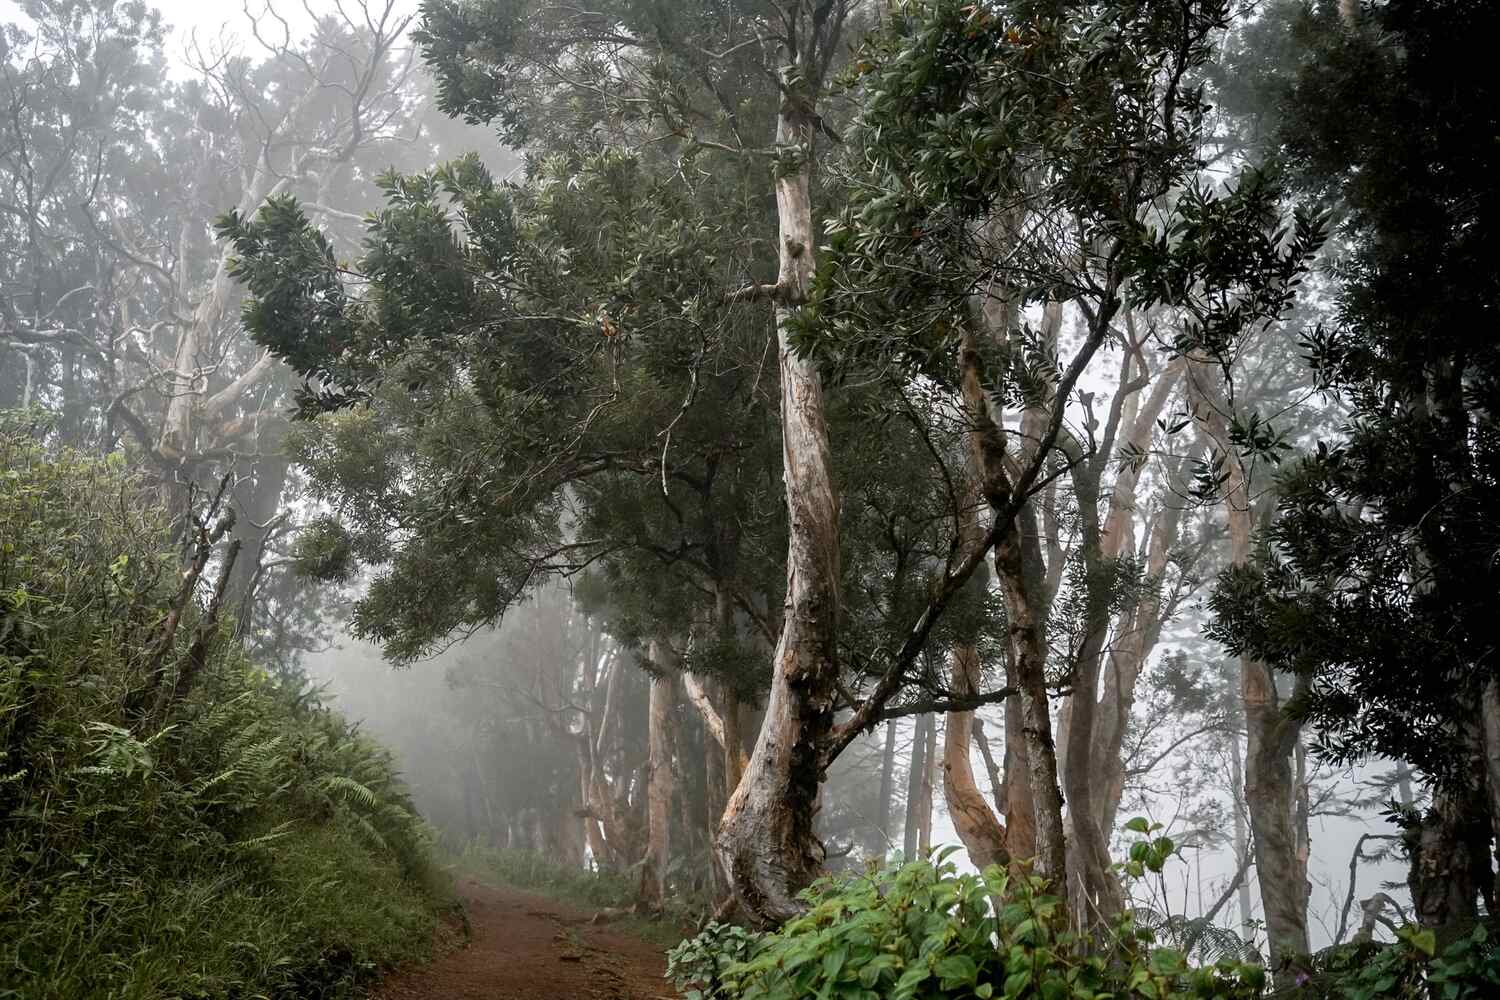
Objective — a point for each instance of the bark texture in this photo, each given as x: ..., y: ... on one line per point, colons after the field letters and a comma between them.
x: 659, y: 786
x: 766, y: 840
x: 982, y: 833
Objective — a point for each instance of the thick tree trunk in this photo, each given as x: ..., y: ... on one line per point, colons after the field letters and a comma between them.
x: 1015, y: 793
x: 978, y: 828
x: 1020, y: 579
x: 1444, y: 886
x: 767, y: 841
x: 1489, y: 712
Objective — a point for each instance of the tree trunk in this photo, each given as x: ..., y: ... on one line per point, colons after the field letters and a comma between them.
x: 911, y: 835
x: 1270, y: 791
x: 1241, y: 837
x: 766, y: 840
x: 879, y: 847
x: 1015, y: 793
x: 659, y: 787
x: 1020, y: 578
x: 1444, y: 889
x: 978, y: 828
x: 929, y: 776
x: 1489, y: 713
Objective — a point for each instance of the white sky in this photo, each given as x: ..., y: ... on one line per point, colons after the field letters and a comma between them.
x: 227, y: 22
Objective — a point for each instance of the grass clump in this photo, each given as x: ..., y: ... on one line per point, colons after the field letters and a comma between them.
x: 174, y: 822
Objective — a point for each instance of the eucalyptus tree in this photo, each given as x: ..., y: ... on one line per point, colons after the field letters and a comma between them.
x: 1036, y: 155
x: 615, y: 338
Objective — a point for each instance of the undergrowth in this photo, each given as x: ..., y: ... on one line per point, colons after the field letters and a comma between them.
x: 174, y: 822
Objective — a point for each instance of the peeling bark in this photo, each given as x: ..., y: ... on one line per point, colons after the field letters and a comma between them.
x: 766, y: 841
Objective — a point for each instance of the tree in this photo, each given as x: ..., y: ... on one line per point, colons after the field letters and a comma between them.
x: 1374, y: 583
x: 978, y: 175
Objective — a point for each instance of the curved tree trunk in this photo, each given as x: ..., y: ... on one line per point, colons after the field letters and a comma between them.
x: 766, y: 840
x: 978, y: 827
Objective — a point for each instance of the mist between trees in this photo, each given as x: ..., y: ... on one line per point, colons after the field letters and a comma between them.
x: 728, y: 444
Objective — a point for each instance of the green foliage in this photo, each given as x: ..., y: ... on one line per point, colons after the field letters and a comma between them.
x: 697, y: 966
x: 250, y: 843
x: 1410, y: 968
x: 986, y: 132
x: 1383, y: 554
x: 922, y: 930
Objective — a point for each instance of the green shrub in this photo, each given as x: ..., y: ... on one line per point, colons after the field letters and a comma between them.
x: 922, y: 930
x: 1410, y: 968
x: 245, y: 841
x: 697, y: 966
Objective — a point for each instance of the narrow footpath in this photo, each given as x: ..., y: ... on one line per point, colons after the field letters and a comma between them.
x: 527, y: 947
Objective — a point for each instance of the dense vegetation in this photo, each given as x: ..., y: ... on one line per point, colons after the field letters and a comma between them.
x: 234, y: 838
x: 847, y: 417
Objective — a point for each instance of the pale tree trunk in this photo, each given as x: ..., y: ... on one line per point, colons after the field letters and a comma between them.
x: 1241, y: 837
x: 912, y: 833
x: 766, y: 841
x: 879, y: 847
x: 659, y: 786
x: 1141, y: 629
x: 929, y: 775
x: 1489, y: 712
x: 1088, y: 725
x: 1270, y: 789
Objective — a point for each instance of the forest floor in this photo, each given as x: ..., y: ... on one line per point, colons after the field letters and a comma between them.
x: 528, y: 947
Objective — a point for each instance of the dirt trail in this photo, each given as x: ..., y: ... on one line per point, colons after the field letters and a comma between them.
x: 526, y: 947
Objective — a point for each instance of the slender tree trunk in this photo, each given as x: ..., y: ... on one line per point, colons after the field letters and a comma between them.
x: 1241, y: 837
x: 659, y: 787
x: 1020, y: 579
x: 929, y: 781
x: 879, y: 848
x: 976, y: 824
x: 918, y: 767
x: 1018, y: 564
x: 766, y: 840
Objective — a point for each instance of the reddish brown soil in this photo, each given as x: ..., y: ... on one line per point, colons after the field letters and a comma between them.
x: 526, y: 947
